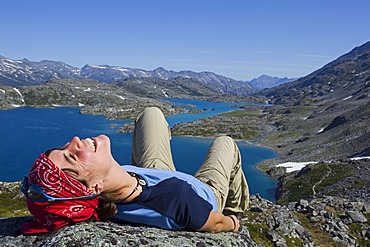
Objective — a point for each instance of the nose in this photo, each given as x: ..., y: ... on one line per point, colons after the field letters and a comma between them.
x: 75, y: 143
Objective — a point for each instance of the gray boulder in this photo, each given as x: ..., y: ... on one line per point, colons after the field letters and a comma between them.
x: 357, y: 216
x: 112, y: 234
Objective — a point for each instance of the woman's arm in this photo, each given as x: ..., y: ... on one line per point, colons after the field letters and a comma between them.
x: 217, y: 222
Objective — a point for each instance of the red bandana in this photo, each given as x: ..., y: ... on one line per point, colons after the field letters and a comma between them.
x: 53, y: 181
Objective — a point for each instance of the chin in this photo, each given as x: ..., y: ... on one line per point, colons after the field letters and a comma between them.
x: 103, y: 141
x: 104, y: 137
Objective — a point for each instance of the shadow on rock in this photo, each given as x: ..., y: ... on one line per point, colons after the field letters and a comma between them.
x: 10, y: 226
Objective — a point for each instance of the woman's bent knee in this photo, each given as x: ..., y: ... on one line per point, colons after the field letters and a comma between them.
x: 150, y: 110
x: 227, y: 140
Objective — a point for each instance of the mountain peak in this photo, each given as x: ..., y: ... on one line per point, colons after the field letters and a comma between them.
x: 160, y: 68
x: 266, y: 81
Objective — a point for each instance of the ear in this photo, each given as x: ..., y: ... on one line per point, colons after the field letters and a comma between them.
x: 97, y: 187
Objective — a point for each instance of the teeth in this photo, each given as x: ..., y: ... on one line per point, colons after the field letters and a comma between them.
x: 91, y: 143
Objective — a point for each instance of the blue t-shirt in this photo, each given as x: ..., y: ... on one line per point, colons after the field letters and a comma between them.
x: 170, y: 200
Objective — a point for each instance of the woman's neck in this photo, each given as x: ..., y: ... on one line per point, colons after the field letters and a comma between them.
x: 119, y: 185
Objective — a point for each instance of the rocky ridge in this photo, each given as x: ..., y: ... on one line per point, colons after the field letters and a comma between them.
x: 90, y: 96
x: 319, y: 221
x: 178, y: 87
x: 324, y: 115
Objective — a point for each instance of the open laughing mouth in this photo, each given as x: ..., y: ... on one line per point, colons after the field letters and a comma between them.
x: 91, y: 143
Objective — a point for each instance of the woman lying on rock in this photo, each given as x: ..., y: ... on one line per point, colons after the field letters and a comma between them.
x: 82, y: 181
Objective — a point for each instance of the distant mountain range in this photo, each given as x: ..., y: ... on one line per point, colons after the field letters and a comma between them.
x: 25, y: 73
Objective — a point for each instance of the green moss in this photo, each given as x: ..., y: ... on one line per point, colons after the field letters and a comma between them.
x: 257, y: 228
x: 323, y: 175
x: 12, y: 203
x: 355, y: 229
x: 258, y: 233
x: 293, y: 242
x: 337, y: 173
x: 301, y: 186
x: 367, y: 217
x: 264, y: 167
x: 318, y: 235
x: 359, y: 183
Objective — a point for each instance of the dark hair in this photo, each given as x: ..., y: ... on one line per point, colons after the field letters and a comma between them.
x: 47, y: 153
x: 106, y: 208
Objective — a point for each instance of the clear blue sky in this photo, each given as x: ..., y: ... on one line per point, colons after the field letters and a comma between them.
x: 241, y: 39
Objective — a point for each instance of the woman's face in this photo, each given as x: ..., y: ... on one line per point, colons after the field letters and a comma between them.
x: 89, y: 159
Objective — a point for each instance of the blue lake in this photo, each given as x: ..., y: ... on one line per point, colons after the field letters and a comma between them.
x: 26, y: 132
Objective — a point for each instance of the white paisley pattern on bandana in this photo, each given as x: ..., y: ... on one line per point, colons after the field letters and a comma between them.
x: 53, y: 181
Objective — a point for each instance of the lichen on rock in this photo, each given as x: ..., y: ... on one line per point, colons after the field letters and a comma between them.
x: 105, y: 233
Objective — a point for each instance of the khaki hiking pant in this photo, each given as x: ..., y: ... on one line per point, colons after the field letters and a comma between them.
x: 221, y: 169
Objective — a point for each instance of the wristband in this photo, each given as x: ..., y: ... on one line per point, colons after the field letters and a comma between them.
x: 233, y: 222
